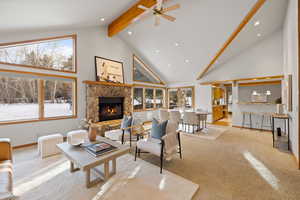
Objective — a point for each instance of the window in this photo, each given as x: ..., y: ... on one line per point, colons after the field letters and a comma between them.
x: 181, y: 97
x: 159, y: 98
x: 52, y: 53
x: 138, y: 98
x: 142, y: 73
x: 18, y: 98
x: 58, y: 98
x: 173, y: 98
x: 188, y: 97
x: 147, y: 98
x: 33, y: 96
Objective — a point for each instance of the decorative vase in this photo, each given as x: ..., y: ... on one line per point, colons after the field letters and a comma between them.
x: 279, y: 108
x: 92, y: 133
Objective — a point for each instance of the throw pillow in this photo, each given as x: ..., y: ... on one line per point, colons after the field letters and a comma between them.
x: 158, y: 130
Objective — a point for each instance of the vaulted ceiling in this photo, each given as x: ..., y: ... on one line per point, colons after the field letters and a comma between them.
x: 201, y: 28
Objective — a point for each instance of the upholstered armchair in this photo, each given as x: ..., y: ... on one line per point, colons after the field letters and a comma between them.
x: 165, y: 148
x: 124, y: 133
x: 6, y: 170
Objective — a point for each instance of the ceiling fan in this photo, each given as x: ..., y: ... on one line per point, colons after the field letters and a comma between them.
x: 158, y: 11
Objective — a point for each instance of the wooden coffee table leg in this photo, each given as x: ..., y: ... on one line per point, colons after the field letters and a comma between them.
x: 72, y: 168
x: 88, y: 182
x: 114, y: 166
x: 106, y: 170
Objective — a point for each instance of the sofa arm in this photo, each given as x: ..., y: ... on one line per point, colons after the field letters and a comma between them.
x: 5, y: 149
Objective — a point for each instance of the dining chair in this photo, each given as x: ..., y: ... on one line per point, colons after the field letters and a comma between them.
x: 190, y: 119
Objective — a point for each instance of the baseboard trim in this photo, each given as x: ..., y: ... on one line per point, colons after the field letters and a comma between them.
x: 30, y: 144
x: 257, y: 129
x: 296, y: 160
x: 24, y: 145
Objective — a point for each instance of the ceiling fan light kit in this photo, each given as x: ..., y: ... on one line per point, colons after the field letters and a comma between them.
x: 158, y: 11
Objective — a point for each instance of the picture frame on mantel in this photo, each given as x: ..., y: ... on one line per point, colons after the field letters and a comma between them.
x: 108, y: 70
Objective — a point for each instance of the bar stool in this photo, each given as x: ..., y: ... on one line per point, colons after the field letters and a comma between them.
x: 245, y: 114
x: 267, y: 116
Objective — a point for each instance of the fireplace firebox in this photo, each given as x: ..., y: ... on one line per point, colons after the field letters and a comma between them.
x: 110, y: 108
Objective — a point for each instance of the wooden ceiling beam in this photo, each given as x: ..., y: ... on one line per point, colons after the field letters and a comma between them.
x: 127, y: 17
x: 245, y: 21
x: 243, y: 79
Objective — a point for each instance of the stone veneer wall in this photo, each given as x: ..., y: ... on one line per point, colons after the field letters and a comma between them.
x: 95, y: 91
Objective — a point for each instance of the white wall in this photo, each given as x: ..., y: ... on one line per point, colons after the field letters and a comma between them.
x: 90, y: 42
x: 262, y: 59
x: 290, y: 66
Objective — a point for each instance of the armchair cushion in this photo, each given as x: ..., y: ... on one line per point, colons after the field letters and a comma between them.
x: 6, y: 182
x: 150, y: 145
x: 158, y: 130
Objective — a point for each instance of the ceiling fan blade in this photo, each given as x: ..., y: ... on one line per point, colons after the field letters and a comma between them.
x: 168, y: 17
x: 143, y: 7
x: 171, y: 8
x: 157, y: 20
x: 159, y: 4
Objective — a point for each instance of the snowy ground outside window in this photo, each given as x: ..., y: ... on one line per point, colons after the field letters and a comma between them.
x: 14, y: 112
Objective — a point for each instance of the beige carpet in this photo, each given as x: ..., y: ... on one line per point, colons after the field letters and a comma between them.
x: 50, y: 179
x: 239, y: 165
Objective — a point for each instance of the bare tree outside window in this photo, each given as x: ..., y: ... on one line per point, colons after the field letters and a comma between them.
x: 58, y: 98
x: 18, y: 98
x: 52, y: 54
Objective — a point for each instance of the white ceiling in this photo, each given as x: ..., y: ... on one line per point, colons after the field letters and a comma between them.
x: 48, y: 14
x: 202, y: 27
x: 270, y: 17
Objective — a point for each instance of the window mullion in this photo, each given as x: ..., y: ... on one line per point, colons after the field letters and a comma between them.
x: 41, y: 96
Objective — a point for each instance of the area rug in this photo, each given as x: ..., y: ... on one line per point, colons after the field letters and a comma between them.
x: 210, y: 133
x: 50, y: 179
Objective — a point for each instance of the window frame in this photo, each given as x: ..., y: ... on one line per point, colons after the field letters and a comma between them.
x: 41, y: 99
x: 148, y: 69
x: 185, y: 87
x: 144, y: 87
x: 74, y: 38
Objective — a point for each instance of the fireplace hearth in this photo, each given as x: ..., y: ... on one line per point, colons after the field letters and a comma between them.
x: 110, y: 108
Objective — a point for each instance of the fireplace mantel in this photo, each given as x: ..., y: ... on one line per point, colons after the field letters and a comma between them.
x: 107, y: 83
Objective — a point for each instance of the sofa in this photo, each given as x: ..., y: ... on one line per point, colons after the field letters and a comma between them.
x: 6, y: 170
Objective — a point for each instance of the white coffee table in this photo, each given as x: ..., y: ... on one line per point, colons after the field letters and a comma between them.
x: 86, y: 162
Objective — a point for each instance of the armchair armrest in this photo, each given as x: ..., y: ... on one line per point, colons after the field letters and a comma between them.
x: 5, y: 149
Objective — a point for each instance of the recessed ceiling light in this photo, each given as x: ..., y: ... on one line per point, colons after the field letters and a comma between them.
x: 157, y: 51
x: 102, y: 19
x: 187, y: 61
x: 256, y: 23
x: 176, y: 44
x: 258, y: 34
x: 169, y: 65
x: 129, y: 32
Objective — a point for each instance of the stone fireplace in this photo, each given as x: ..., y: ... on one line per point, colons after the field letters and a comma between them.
x: 102, y: 92
x: 110, y: 108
